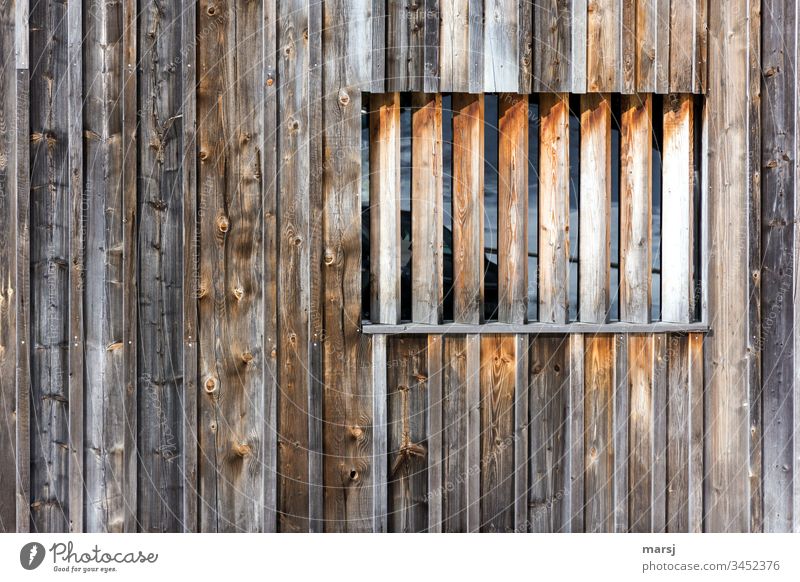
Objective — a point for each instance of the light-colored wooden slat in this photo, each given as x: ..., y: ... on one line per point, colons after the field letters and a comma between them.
x: 497, y: 433
x: 603, y: 45
x: 454, y: 46
x: 598, y: 427
x: 662, y: 46
x: 357, y: 52
x: 476, y: 43
x: 640, y: 463
x: 384, y: 197
x: 500, y: 48
x: 407, y: 436
x: 378, y: 370
x: 435, y: 430
x: 552, y: 41
x: 578, y: 45
x: 468, y: 208
x: 554, y: 187
x: 647, y: 31
x: 636, y: 220
x: 549, y: 434
x: 595, y: 205
x: 677, y: 214
x: 622, y: 434
x: 682, y: 16
x: 575, y: 468
x: 426, y: 209
x: 513, y: 209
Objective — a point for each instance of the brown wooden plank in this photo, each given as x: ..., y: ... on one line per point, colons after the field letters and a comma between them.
x: 679, y: 428
x: 647, y: 32
x: 513, y: 209
x: 622, y: 432
x: 521, y: 436
x: 598, y: 427
x: 696, y: 434
x: 498, y: 364
x: 384, y: 196
x: 552, y: 41
x: 575, y: 504
x: 549, y: 434
x: 628, y: 48
x: 682, y: 16
x: 468, y: 208
x: 640, y: 361
x: 500, y: 46
x: 701, y: 48
x: 427, y: 212
x: 399, y: 52
x: 595, y: 205
x: 660, y: 431
x: 636, y: 214
x: 454, y: 46
x: 525, y: 41
x: 554, y: 186
x: 407, y: 432
x: 435, y: 428
x: 677, y: 214
x: 662, y: 46
x: 603, y: 46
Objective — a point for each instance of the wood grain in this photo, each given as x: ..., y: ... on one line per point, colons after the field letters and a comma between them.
x: 603, y: 46
x: 552, y: 41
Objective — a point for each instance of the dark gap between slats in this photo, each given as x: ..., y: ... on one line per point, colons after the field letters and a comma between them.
x: 490, y: 206
x: 533, y: 208
x: 365, y: 177
x: 574, y: 197
x: 698, y: 206
x: 658, y: 140
x: 447, y: 205
x: 405, y: 206
x: 616, y: 116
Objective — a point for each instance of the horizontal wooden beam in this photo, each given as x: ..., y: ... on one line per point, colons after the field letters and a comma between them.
x: 535, y: 328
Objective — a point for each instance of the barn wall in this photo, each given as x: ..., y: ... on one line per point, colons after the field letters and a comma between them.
x: 181, y: 343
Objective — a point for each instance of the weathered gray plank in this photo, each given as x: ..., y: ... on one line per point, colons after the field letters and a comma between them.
x: 378, y: 380
x: 435, y: 429
x: 525, y: 43
x: 578, y: 45
x: 476, y: 46
x: 623, y: 435
x: 378, y: 46
x: 521, y: 438
x: 647, y: 31
x: 431, y: 49
x: 553, y: 60
x: 662, y: 46
x: 642, y: 420
x: 603, y: 46
x: 501, y: 46
x: 682, y: 16
x: 399, y: 52
x: 660, y: 432
x: 454, y: 46
x: 575, y: 470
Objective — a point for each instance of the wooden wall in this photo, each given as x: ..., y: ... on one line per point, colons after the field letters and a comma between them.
x: 180, y: 314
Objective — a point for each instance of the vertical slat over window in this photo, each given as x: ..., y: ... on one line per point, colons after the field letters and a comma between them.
x: 513, y: 209
x: 595, y: 208
x: 426, y: 209
x: 384, y: 200
x: 468, y: 208
x: 636, y: 159
x: 554, y: 208
x: 677, y: 254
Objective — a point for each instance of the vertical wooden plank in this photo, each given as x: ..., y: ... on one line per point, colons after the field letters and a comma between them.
x: 525, y: 42
x: 513, y: 209
x: 414, y: 19
x: 426, y: 209
x: 501, y: 46
x: 378, y: 46
x: 603, y: 49
x: 679, y: 434
x: 778, y: 250
x: 270, y: 165
x: 595, y: 205
x: 697, y: 435
x: 432, y: 25
x: 677, y: 254
x: 357, y: 53
x: 578, y: 45
x: 554, y: 186
x: 623, y: 435
x: 380, y: 449
x: 550, y: 478
x: 435, y: 431
x: 294, y: 190
x: 106, y: 474
x: 640, y: 465
x: 497, y: 440
x: 468, y: 208
x: 76, y: 264
x: 49, y: 272
x: 662, y: 45
x: 398, y: 45
x: 700, y: 48
x: 160, y: 301
x: 682, y: 17
x: 454, y: 46
x: 384, y: 200
x: 476, y: 46
x: 660, y: 433
x: 598, y: 426
x: 575, y: 504
x: 628, y: 47
x: 521, y: 436
x: 636, y: 214
x: 552, y: 40
x: 231, y: 356
x: 647, y: 32
x: 347, y: 402
x: 407, y: 438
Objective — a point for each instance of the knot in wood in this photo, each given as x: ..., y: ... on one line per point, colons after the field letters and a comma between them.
x: 247, y: 357
x: 356, y: 432
x: 211, y: 385
x: 238, y: 293
x: 203, y: 155
x: 329, y: 256
x: 241, y: 449
x: 212, y: 10
x: 344, y: 98
x: 223, y: 224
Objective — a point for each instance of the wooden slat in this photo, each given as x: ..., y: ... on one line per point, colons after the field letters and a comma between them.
x: 468, y: 208
x: 553, y: 60
x: 357, y: 53
x: 49, y: 218
x: 575, y: 470
x: 501, y: 48
x: 554, y: 186
x: 697, y: 434
x: 427, y: 213
x: 623, y: 436
x: 636, y: 220
x: 679, y: 434
x: 598, y: 426
x: 378, y: 376
x: 642, y: 413
x: 700, y: 63
x: 628, y: 48
x: 662, y: 46
x: 407, y: 438
x: 549, y: 509
x: 461, y: 437
x: 677, y: 230
x: 435, y: 432
x: 294, y: 188
x: 347, y: 402
x: 682, y: 17
x: 660, y: 431
x: 384, y: 197
x: 161, y: 215
x: 476, y: 45
x: 525, y: 42
x: 432, y: 22
x: 231, y: 354
x: 521, y: 437
x: 647, y: 32
x: 497, y: 430
x: 76, y: 264
x: 378, y: 46
x: 513, y: 209
x: 578, y: 45
x: 399, y: 53
x: 604, y: 56
x: 595, y: 205
x: 454, y: 47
